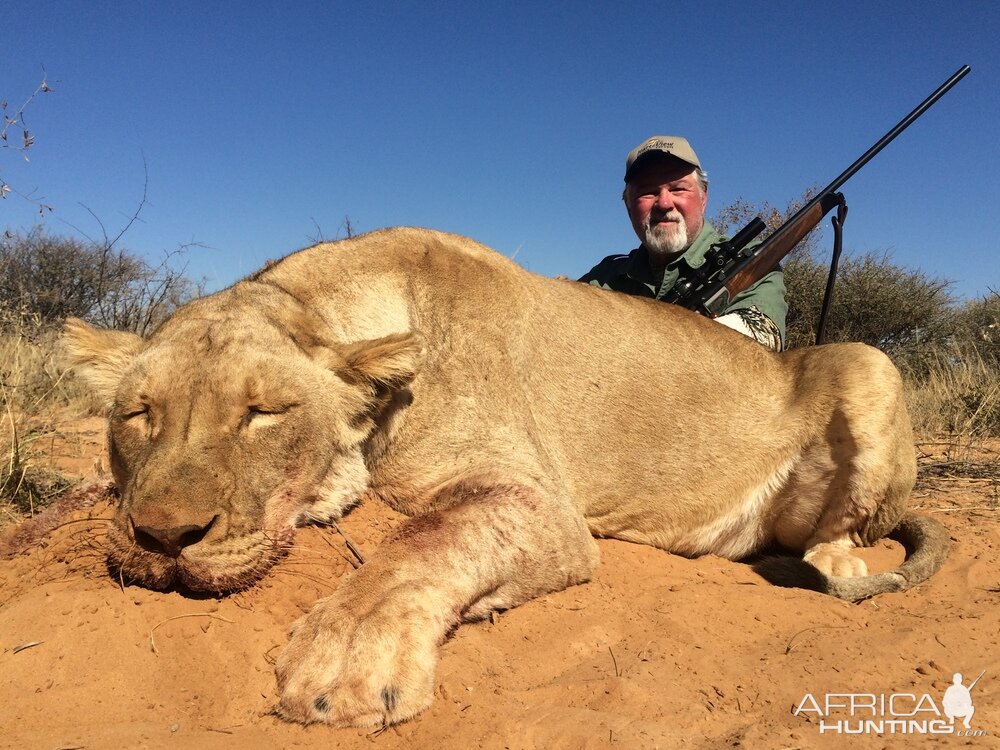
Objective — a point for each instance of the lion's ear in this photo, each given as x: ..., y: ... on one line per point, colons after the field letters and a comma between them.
x: 98, y: 355
x: 389, y: 363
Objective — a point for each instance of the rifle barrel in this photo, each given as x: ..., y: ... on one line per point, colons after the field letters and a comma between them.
x: 976, y: 681
x: 884, y: 141
x: 902, y: 125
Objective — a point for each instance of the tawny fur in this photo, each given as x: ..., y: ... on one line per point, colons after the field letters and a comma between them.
x: 511, y: 415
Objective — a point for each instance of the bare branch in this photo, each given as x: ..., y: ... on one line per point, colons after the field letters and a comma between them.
x: 54, y: 277
x: 138, y: 209
x: 16, y: 119
x: 318, y: 236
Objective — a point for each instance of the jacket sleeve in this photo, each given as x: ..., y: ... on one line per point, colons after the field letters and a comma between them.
x: 599, y: 275
x: 767, y: 296
x: 607, y: 274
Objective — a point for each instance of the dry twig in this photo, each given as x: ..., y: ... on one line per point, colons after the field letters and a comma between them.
x: 152, y: 643
x: 350, y: 545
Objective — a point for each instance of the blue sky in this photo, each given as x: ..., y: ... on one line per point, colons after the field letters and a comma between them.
x: 508, y: 122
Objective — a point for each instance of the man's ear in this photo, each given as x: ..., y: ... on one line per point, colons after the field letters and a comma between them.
x: 385, y: 364
x: 626, y: 200
x: 98, y: 355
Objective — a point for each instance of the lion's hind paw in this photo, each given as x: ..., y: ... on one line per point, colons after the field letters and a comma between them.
x: 835, y: 560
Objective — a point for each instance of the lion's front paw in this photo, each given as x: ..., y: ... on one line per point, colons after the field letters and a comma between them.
x: 832, y: 559
x: 354, y: 664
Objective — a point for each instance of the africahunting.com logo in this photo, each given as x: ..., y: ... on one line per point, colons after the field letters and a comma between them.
x: 895, y: 713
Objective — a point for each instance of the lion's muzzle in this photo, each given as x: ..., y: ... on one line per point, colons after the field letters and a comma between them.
x: 201, y: 551
x: 172, y: 539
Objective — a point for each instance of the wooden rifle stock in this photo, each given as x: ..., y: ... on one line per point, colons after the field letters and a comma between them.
x: 765, y: 257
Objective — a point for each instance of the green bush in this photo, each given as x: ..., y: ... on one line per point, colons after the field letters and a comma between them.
x: 899, y: 310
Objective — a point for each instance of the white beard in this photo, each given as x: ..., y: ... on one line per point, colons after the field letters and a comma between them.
x: 666, y: 240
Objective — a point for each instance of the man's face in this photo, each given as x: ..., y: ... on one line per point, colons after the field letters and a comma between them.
x: 667, y: 207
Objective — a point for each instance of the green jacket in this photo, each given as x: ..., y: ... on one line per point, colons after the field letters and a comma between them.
x: 632, y: 274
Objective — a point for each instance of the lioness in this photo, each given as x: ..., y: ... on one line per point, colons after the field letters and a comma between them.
x: 511, y: 415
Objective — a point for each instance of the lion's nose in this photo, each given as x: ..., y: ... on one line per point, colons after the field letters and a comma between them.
x: 170, y: 540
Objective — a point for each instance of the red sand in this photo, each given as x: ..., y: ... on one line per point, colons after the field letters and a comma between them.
x: 656, y: 651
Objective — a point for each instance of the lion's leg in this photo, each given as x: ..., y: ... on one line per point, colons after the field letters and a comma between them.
x: 367, y: 654
x: 853, y: 483
x: 860, y: 505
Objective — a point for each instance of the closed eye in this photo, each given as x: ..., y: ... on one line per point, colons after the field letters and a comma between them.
x: 139, y: 411
x: 258, y: 416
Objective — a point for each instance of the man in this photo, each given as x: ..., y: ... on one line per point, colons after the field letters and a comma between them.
x: 666, y: 192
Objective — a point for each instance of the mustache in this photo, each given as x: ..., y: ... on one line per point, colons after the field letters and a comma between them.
x: 672, y: 215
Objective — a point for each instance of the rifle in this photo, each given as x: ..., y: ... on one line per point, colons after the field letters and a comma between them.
x: 731, y: 267
x: 976, y: 681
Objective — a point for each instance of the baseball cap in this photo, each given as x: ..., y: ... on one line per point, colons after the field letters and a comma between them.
x: 669, y: 145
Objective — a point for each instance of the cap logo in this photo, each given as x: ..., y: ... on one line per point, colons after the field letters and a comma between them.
x: 674, y: 146
x: 656, y: 144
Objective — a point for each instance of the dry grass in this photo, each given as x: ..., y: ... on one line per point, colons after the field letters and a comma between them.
x: 959, y: 394
x: 954, y: 403
x: 951, y: 467
x: 32, y: 389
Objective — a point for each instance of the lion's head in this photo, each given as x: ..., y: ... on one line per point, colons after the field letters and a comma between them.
x: 235, y: 421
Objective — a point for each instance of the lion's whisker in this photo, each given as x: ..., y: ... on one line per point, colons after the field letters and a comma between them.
x: 305, y: 576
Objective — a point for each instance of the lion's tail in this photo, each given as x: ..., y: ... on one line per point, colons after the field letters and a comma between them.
x: 925, y: 540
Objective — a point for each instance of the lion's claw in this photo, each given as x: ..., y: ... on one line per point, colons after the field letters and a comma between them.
x: 353, y: 665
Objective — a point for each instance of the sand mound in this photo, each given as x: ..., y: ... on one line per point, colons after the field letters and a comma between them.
x: 656, y: 651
